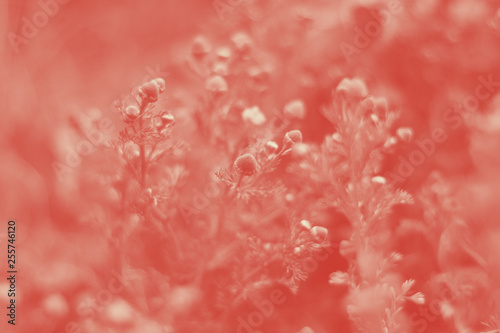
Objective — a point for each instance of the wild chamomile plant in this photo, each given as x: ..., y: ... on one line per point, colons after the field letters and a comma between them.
x: 347, y: 169
x: 148, y: 178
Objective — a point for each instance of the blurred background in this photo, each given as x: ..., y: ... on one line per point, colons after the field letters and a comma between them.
x: 61, y: 61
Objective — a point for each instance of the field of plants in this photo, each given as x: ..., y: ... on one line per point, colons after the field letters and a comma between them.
x: 244, y: 166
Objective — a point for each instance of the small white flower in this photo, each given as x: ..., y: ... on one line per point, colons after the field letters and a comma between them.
x: 306, y: 224
x: 354, y: 87
x: 241, y: 40
x: 301, y: 149
x: 223, y: 52
x: 295, y: 109
x: 253, y: 115
x: 271, y: 147
x: 379, y: 180
x: 319, y: 232
x: 131, y: 150
x: 216, y: 84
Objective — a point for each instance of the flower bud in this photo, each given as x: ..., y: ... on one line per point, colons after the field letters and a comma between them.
x: 201, y: 47
x: 353, y: 87
x: 246, y: 165
x: 375, y: 104
x: 223, y: 53
x: 306, y: 224
x: 291, y: 138
x: 271, y: 147
x: 241, y: 41
x: 149, y: 91
x: 319, y: 232
x: 380, y: 105
x: 405, y: 134
x: 253, y: 115
x: 300, y: 150
x: 158, y: 124
x: 160, y: 83
x: 379, y: 180
x: 132, y: 112
x: 167, y: 119
x: 131, y: 150
x: 216, y: 84
x: 295, y: 109
x: 337, y: 137
x: 220, y: 68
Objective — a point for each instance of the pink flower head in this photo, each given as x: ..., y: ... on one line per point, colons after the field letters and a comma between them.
x: 253, y: 115
x: 319, y: 232
x: 271, y: 147
x: 223, y: 53
x: 295, y: 109
x: 149, y: 91
x: 132, y: 112
x: 375, y: 104
x: 131, y: 150
x: 353, y: 87
x: 167, y: 119
x: 379, y: 180
x: 306, y: 224
x: 160, y: 83
x: 241, y: 41
x: 216, y: 84
x: 291, y: 138
x: 246, y: 165
x: 201, y: 46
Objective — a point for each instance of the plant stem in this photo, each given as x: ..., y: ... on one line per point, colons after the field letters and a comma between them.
x: 141, y: 146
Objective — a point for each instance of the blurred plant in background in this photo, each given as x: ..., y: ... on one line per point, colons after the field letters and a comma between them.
x: 260, y: 184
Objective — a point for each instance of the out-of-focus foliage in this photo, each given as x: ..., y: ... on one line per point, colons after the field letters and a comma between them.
x: 238, y: 166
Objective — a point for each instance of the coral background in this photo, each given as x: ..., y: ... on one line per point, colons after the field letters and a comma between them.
x: 70, y: 246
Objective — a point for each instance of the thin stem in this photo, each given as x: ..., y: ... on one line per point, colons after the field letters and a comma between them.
x: 141, y: 146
